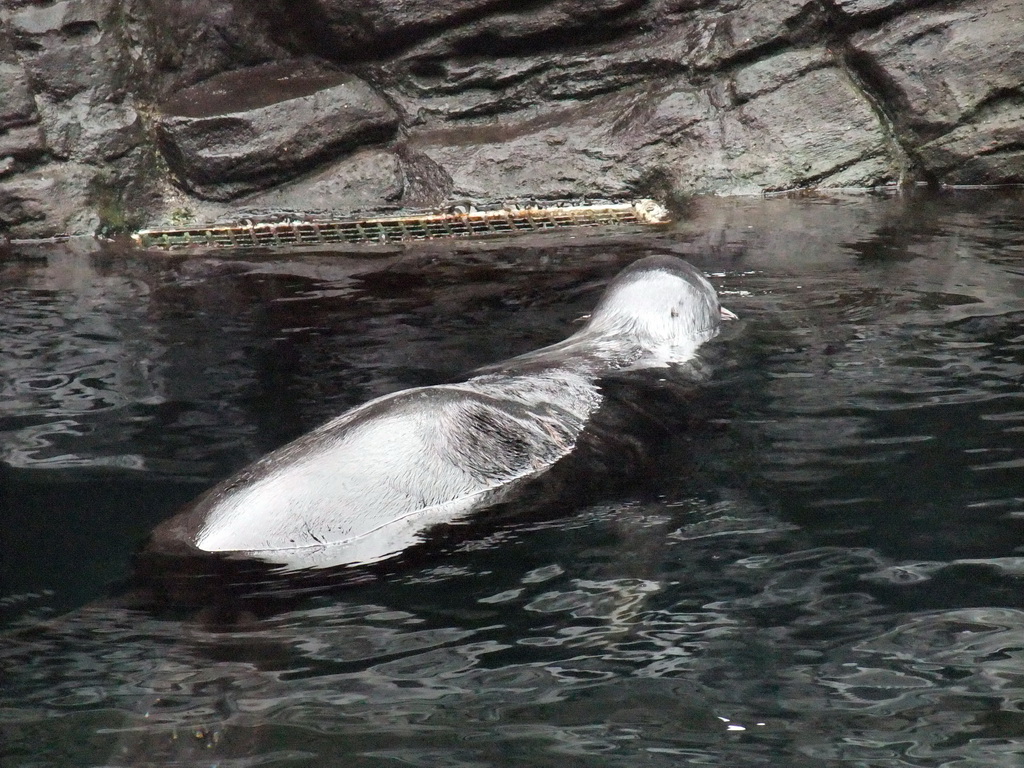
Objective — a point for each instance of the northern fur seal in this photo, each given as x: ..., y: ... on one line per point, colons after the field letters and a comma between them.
x: 369, y: 483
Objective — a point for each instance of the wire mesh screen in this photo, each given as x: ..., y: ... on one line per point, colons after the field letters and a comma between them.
x: 459, y: 221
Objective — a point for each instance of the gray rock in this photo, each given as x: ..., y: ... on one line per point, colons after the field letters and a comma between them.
x: 374, y: 29
x: 809, y: 131
x: 173, y: 44
x: 415, y: 102
x: 811, y: 127
x: 556, y: 24
x: 68, y: 69
x: 938, y: 66
x: 59, y: 17
x: 854, y: 8
x: 250, y: 129
x: 570, y: 153
x: 85, y: 128
x: 424, y: 183
x: 64, y: 54
x: 775, y: 71
x: 988, y: 150
x: 17, y: 106
x: 953, y: 79
x: 48, y: 201
x: 720, y: 36
x: 368, y: 179
x: 369, y: 27
x: 23, y: 143
x: 21, y: 138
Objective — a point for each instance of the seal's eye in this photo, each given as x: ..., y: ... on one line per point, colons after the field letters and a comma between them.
x: 674, y: 313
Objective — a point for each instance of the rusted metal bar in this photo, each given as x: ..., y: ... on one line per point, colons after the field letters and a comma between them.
x: 459, y: 221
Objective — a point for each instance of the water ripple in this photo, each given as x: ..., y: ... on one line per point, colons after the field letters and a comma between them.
x: 823, y: 569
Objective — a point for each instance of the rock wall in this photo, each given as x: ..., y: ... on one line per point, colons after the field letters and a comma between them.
x: 119, y: 113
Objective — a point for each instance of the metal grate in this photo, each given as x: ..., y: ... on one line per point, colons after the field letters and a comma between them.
x: 459, y: 221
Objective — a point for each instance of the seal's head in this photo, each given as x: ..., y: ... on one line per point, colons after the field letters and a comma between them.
x: 664, y: 306
x: 656, y: 313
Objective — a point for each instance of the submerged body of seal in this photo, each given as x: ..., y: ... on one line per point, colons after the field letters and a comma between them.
x: 369, y: 483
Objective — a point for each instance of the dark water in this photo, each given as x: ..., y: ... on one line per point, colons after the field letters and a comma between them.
x: 825, y: 568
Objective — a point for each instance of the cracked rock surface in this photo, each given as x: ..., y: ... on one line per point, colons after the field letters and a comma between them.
x: 116, y: 114
x: 252, y: 128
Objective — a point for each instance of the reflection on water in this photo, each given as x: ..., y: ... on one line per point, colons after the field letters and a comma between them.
x: 822, y: 569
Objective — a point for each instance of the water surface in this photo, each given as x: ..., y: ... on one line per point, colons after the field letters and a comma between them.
x: 822, y: 565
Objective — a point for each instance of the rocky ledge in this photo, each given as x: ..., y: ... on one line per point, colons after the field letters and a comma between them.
x: 120, y: 113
